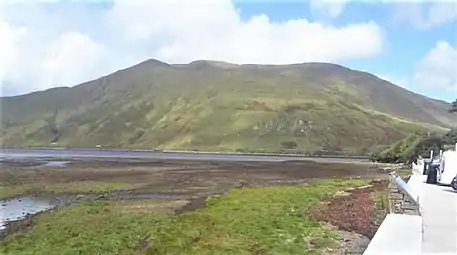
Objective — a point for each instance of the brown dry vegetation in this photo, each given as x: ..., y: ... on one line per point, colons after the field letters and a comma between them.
x: 195, y: 178
x: 353, y: 211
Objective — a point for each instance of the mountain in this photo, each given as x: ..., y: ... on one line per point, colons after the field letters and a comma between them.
x: 210, y: 105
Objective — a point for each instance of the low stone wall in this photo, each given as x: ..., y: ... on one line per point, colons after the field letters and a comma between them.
x: 400, y: 202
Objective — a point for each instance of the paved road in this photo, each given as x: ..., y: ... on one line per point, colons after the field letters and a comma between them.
x: 439, y: 219
x: 118, y: 154
x: 434, y: 232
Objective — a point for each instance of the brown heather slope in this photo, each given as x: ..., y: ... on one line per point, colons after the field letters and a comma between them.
x: 208, y: 105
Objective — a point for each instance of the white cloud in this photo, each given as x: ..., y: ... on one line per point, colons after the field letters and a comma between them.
x: 70, y: 44
x: 188, y: 31
x: 10, y: 45
x: 73, y: 59
x: 438, y: 68
x: 330, y: 8
x: 426, y: 15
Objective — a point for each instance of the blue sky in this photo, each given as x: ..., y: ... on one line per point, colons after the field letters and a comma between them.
x: 63, y: 43
x: 406, y: 43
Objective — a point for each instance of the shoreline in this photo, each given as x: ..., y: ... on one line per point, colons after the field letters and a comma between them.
x: 266, y: 154
x: 161, y: 190
x: 351, y: 239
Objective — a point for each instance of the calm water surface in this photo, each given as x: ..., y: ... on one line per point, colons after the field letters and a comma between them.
x: 136, y: 154
x: 18, y: 208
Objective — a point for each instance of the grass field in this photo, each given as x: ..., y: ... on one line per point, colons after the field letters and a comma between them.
x: 267, y: 220
x: 211, y: 207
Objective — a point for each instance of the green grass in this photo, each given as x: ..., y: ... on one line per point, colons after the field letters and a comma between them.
x: 381, y: 198
x: 11, y: 191
x: 381, y: 206
x: 93, y: 187
x: 268, y: 220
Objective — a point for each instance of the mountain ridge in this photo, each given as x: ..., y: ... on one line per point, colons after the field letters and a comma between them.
x: 222, y: 106
x: 235, y: 65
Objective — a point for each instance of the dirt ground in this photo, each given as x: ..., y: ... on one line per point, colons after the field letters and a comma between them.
x: 196, y: 178
x: 354, y: 214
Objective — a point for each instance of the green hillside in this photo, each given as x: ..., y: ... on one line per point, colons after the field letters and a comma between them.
x: 208, y: 105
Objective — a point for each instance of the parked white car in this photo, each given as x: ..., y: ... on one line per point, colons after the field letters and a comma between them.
x: 454, y: 183
x: 448, y: 168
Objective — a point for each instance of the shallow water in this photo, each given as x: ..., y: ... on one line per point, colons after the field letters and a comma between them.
x: 56, y: 164
x: 18, y: 208
x: 67, y: 154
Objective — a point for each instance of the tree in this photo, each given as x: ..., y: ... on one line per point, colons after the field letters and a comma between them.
x: 450, y: 137
x: 408, y: 149
x: 454, y: 106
